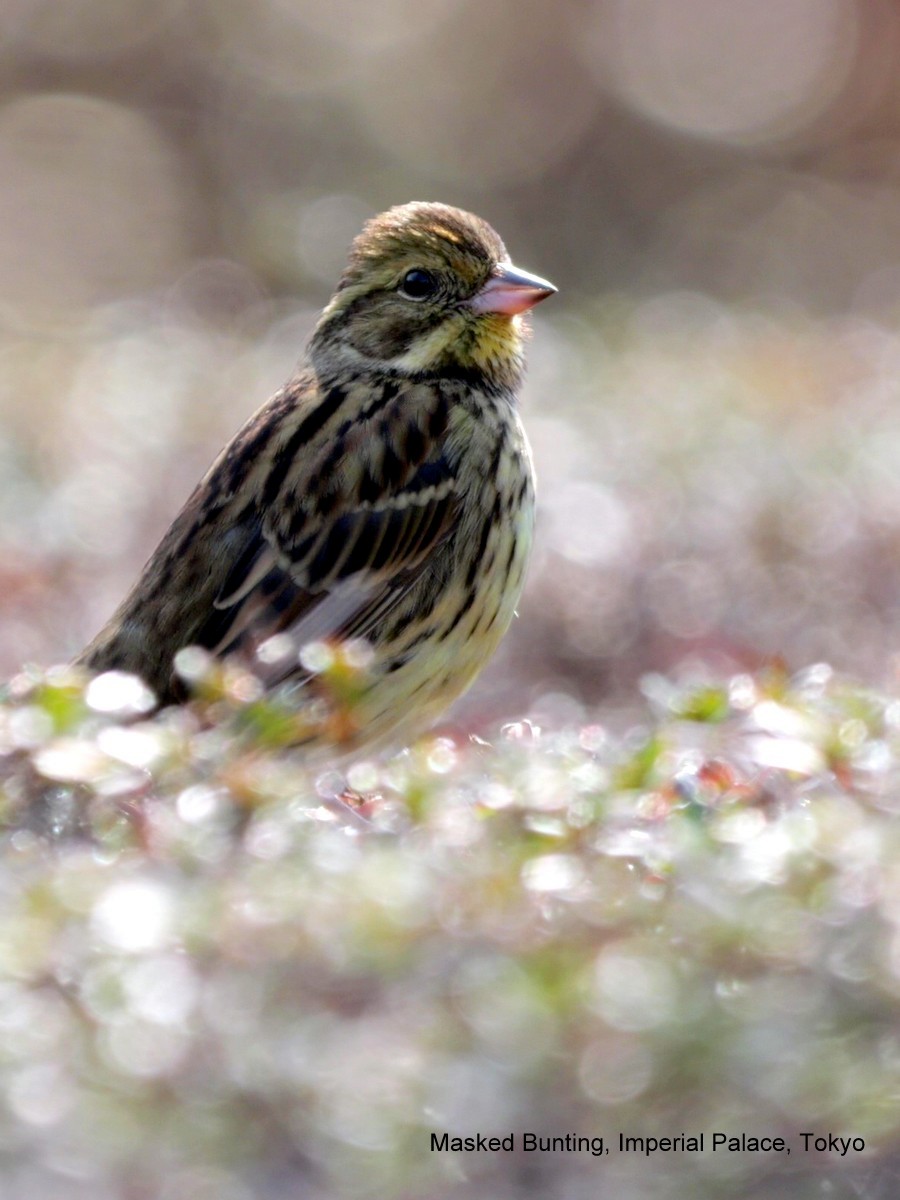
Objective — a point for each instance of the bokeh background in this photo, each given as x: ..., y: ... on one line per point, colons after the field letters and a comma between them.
x: 714, y: 396
x: 211, y: 984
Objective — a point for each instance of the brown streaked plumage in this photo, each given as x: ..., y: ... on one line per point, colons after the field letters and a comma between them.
x: 385, y: 492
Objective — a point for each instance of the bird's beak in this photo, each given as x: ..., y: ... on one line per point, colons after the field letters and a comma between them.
x: 510, y: 291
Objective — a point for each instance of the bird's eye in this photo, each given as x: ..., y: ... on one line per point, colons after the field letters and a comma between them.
x: 418, y: 284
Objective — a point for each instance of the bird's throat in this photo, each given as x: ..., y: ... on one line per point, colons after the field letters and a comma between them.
x: 491, y: 344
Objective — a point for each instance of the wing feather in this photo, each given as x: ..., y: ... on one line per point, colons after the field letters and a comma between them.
x: 359, y: 553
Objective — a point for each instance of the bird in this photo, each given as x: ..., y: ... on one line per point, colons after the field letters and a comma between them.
x: 384, y: 496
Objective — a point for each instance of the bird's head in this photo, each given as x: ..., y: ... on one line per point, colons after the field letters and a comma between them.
x: 430, y: 290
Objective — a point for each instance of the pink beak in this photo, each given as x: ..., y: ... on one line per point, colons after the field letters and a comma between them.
x: 510, y: 291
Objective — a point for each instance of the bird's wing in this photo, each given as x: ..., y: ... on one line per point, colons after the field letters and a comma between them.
x: 357, y: 511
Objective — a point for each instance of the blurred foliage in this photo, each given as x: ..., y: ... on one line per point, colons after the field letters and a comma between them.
x: 224, y: 973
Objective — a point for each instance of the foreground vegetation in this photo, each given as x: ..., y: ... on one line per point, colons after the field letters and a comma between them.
x: 224, y: 973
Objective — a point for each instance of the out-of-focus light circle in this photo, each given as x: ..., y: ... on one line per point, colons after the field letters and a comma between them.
x: 726, y: 69
x: 92, y: 204
x: 134, y: 915
x: 522, y: 118
x: 119, y: 692
x: 588, y: 523
x: 40, y: 1094
x: 633, y: 991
